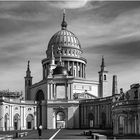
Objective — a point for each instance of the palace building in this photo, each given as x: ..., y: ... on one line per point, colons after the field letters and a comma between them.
x: 65, y: 98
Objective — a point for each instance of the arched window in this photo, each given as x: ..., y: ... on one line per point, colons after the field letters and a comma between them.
x: 39, y: 96
x: 60, y: 116
x: 104, y: 77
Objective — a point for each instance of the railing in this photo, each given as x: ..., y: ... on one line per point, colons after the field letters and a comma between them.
x: 126, y: 102
x: 98, y: 99
x: 4, y: 99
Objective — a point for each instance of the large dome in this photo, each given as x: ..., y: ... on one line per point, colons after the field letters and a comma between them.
x: 64, y: 46
x: 64, y: 38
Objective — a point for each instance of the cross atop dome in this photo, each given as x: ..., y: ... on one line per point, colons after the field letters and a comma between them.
x: 64, y: 23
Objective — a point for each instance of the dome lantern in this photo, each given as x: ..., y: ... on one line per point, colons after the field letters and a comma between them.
x: 64, y: 23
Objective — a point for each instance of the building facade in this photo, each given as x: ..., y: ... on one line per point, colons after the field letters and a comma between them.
x: 64, y: 82
x: 126, y: 112
x: 16, y: 114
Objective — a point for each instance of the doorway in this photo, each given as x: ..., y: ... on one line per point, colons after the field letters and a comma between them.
x: 60, y: 119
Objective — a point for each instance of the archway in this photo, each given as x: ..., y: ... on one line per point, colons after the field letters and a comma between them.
x: 29, y: 121
x: 6, y: 118
x: 60, y: 119
x: 39, y: 98
x: 91, y: 120
x: 103, y: 125
x: 121, y: 124
x: 16, y: 122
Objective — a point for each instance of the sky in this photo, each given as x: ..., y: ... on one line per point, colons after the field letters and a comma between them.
x: 104, y: 28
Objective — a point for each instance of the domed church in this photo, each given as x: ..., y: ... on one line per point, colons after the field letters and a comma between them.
x: 64, y: 82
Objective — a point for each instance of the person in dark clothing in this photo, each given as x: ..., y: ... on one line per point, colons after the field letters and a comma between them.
x: 40, y: 130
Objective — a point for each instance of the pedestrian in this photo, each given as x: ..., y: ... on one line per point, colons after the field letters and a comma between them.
x: 40, y: 130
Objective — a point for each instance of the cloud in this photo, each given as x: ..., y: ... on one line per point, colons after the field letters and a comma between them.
x: 69, y: 4
x: 104, y: 28
x: 92, y: 30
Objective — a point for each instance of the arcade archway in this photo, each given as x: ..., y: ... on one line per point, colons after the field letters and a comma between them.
x: 121, y: 124
x: 60, y: 119
x: 29, y: 122
x: 103, y: 116
x: 39, y: 98
x: 6, y: 119
x: 91, y: 120
x: 16, y: 122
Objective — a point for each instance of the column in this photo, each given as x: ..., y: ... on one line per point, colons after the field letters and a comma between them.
x: 70, y: 91
x: 68, y: 65
x: 84, y: 71
x: 139, y: 122
x: 135, y: 125
x: 117, y: 124
x: 77, y: 74
x: 95, y: 112
x: 12, y: 122
x: 85, y: 118
x: 43, y: 72
x: 98, y: 116
x: 48, y: 92
x: 54, y: 120
x: 73, y: 69
x: 24, y: 122
x: 11, y: 114
x: 66, y: 93
x: 9, y: 120
x: 80, y: 69
x: 51, y: 90
x: 54, y: 92
x: 129, y: 126
x: 20, y: 117
x: 35, y: 118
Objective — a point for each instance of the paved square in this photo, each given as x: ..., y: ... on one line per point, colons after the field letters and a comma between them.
x: 62, y: 134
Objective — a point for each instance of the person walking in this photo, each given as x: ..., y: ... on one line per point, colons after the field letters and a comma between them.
x: 40, y: 130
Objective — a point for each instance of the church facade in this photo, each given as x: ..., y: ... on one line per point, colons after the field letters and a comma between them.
x: 64, y: 82
x: 65, y: 98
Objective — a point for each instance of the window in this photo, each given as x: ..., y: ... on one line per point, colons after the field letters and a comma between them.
x: 60, y: 91
x: 60, y: 116
x: 104, y: 77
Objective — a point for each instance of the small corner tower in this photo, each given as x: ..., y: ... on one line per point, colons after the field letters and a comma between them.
x: 102, y: 79
x: 28, y: 82
x: 52, y: 63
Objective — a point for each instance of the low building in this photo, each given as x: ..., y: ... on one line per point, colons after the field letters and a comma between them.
x: 126, y: 112
x: 96, y: 113
x: 16, y: 114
